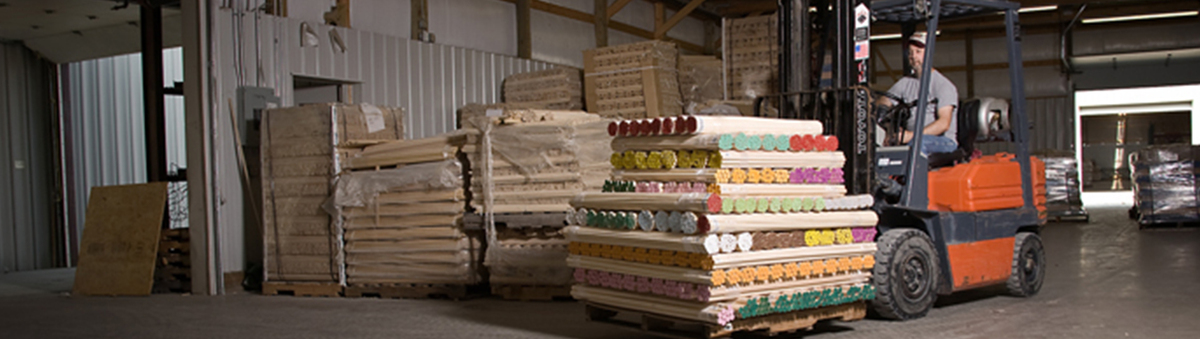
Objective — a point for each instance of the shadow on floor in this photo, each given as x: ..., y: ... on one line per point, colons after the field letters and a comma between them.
x: 51, y: 281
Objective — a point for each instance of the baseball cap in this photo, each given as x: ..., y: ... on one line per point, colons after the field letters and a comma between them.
x: 918, y: 38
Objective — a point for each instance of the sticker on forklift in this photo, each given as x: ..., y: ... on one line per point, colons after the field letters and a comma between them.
x: 889, y: 162
x: 862, y: 32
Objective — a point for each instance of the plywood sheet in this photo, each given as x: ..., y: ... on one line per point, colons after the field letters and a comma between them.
x: 120, y: 240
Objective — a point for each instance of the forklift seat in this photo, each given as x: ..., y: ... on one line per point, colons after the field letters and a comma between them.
x: 967, y: 120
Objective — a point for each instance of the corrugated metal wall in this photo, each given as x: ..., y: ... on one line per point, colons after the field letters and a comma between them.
x: 28, y: 228
x: 103, y: 137
x: 430, y: 81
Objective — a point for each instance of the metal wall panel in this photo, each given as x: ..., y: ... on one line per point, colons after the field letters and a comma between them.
x: 27, y: 189
x: 430, y: 81
x: 102, y: 120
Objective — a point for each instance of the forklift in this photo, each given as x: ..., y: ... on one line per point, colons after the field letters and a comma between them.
x: 948, y: 222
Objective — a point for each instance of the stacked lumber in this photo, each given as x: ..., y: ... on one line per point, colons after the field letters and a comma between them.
x: 700, y: 81
x: 729, y: 253
x: 301, y: 148
x: 403, y: 225
x: 633, y: 81
x: 524, y: 173
x: 751, y: 57
x: 559, y: 88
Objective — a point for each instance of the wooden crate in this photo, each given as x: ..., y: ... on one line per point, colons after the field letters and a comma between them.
x: 750, y: 57
x: 633, y: 81
x: 558, y: 88
x: 302, y: 289
x: 700, y: 80
x: 770, y: 325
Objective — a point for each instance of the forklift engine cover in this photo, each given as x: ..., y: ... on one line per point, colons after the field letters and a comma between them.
x: 992, y: 182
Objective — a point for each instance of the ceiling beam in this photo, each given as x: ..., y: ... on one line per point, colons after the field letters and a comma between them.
x: 660, y: 32
x: 700, y: 13
x: 619, y: 26
x: 616, y: 7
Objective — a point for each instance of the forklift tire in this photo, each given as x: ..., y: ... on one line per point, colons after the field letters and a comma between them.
x: 905, y: 275
x: 1028, y: 266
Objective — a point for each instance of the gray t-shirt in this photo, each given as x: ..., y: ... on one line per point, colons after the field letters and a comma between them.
x: 941, y: 89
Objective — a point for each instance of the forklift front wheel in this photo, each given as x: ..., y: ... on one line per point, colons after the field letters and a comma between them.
x: 1028, y: 266
x: 905, y: 275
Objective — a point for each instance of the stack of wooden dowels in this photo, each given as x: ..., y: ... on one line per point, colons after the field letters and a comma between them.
x: 558, y: 88
x: 691, y: 242
x: 403, y: 225
x: 524, y: 171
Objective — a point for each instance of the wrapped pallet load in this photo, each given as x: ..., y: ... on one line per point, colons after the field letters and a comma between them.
x: 302, y: 150
x: 1063, y: 199
x: 1164, y: 184
x: 526, y: 165
x: 633, y: 81
x: 751, y: 57
x: 730, y: 224
x: 401, y: 205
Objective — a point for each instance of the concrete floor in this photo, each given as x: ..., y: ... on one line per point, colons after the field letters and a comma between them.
x: 1106, y: 279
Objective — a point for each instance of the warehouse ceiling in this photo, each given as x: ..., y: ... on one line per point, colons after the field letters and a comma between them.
x: 75, y: 30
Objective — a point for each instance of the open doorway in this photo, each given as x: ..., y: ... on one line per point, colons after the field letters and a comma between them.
x: 1116, y: 123
x: 308, y: 90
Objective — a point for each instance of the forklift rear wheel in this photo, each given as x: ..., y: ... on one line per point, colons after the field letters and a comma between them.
x: 1028, y: 266
x: 905, y: 275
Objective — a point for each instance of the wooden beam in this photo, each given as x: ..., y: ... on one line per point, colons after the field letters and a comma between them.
x: 619, y: 26
x: 420, y: 19
x: 992, y: 66
x: 660, y: 11
x: 701, y: 13
x: 616, y: 7
x: 887, y: 66
x: 600, y: 10
x: 675, y: 19
x: 524, y: 32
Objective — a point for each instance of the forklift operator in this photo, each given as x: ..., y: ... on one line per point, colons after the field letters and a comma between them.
x: 940, y: 131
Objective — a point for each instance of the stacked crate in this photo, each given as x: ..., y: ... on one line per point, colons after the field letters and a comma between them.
x: 301, y: 151
x: 526, y: 165
x: 401, y: 207
x: 699, y: 81
x: 632, y: 81
x: 730, y: 223
x: 558, y: 88
x: 173, y: 271
x: 751, y: 57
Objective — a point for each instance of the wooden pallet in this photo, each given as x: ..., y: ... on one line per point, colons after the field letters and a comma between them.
x: 415, y: 291
x: 173, y: 269
x: 302, y: 289
x: 771, y: 325
x: 532, y: 292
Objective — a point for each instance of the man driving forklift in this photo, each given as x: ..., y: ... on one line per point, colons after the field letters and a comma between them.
x: 941, y: 131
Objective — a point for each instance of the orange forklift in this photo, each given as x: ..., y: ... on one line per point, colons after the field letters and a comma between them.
x: 948, y: 222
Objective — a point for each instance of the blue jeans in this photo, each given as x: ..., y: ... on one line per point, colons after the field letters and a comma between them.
x: 931, y: 144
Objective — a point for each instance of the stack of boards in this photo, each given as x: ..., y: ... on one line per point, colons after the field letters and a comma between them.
x: 401, y: 207
x: 559, y: 89
x: 301, y: 152
x: 633, y: 81
x: 751, y: 60
x: 526, y: 165
x: 676, y: 236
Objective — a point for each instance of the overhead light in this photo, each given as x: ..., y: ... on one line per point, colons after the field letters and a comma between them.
x: 1037, y: 9
x: 1140, y: 17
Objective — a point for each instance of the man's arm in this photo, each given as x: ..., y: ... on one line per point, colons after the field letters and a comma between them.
x: 945, y: 115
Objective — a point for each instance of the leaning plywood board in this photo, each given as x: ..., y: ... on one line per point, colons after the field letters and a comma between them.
x: 120, y: 240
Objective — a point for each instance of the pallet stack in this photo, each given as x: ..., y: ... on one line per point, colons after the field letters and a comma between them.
x: 173, y: 271
x: 523, y: 175
x: 1165, y: 188
x: 1063, y: 196
x: 633, y: 81
x: 751, y: 57
x: 302, y: 150
x: 401, y: 206
x: 699, y: 81
x: 559, y: 89
x: 731, y: 223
